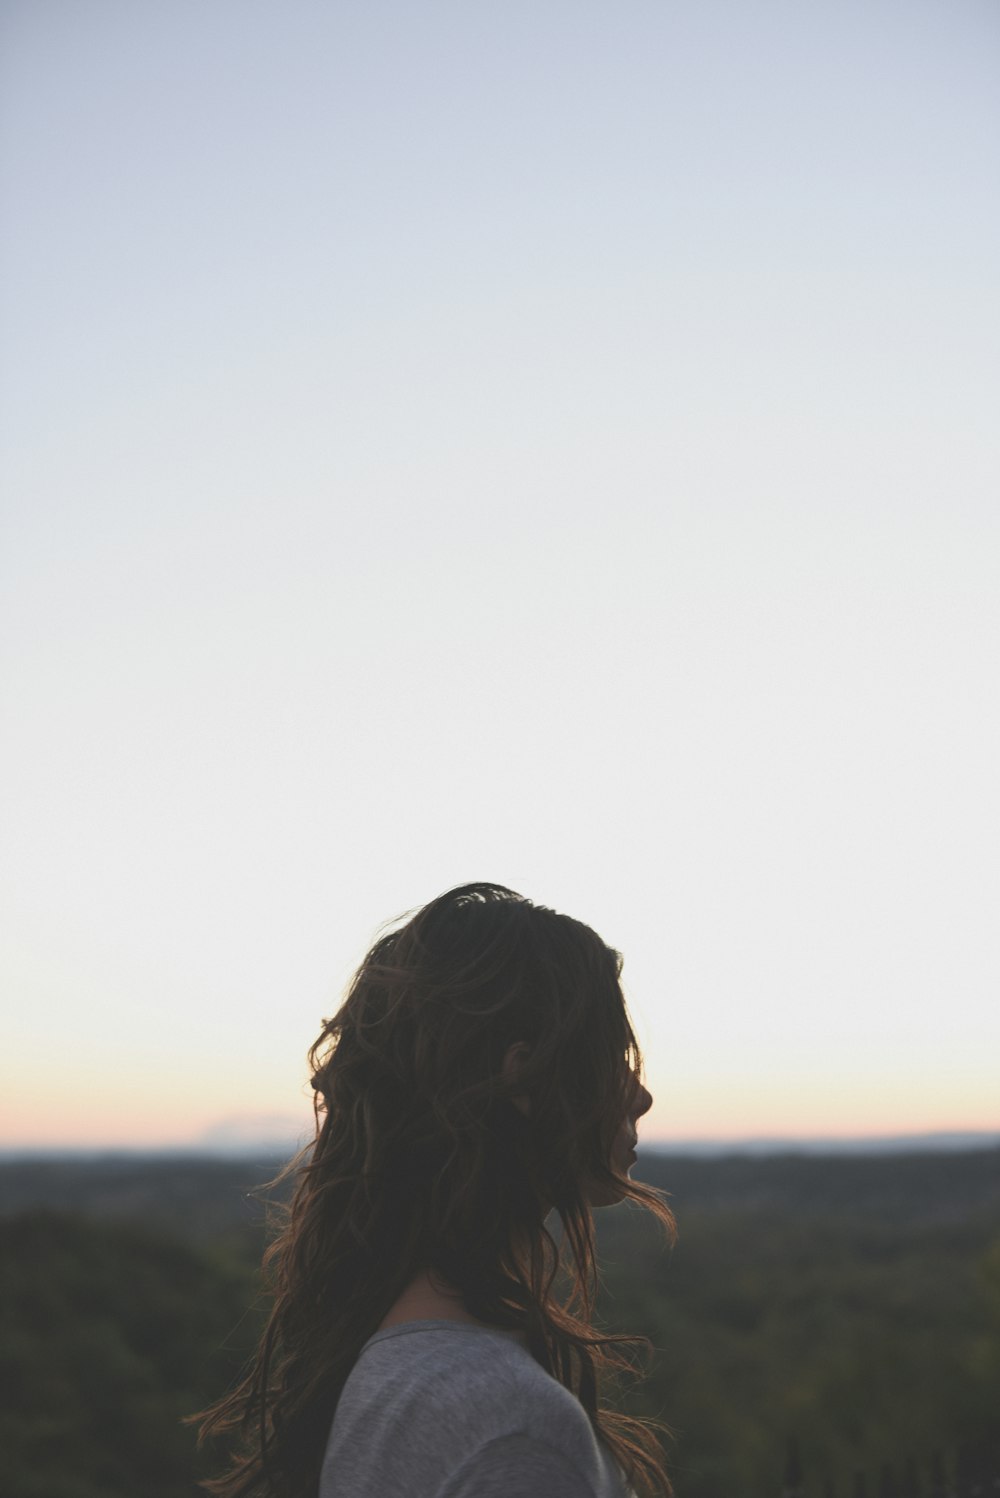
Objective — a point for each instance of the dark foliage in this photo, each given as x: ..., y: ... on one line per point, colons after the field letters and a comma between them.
x: 852, y: 1303
x: 110, y: 1334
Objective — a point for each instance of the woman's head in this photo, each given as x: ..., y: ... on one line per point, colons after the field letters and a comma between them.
x: 485, y: 1036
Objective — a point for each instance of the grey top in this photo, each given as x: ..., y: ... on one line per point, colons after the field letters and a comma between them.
x: 442, y: 1409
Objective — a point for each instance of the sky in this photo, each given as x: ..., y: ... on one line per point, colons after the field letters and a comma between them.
x: 548, y: 442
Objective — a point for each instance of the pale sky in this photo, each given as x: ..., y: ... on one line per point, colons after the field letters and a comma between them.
x: 548, y: 442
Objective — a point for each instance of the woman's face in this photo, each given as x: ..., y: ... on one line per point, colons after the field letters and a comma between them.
x: 623, y: 1149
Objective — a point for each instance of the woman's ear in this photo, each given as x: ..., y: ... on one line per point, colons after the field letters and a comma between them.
x: 513, y: 1062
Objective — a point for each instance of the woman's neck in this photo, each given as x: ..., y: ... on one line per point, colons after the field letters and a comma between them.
x: 426, y: 1298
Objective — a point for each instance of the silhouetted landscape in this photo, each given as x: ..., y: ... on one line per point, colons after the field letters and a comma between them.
x: 849, y: 1304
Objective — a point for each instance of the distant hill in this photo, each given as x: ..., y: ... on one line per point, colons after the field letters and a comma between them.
x: 196, y: 1197
x: 275, y: 1137
x: 916, y: 1188
x: 201, y: 1197
x: 889, y: 1144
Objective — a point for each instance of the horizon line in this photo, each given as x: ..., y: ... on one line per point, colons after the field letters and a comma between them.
x: 275, y: 1148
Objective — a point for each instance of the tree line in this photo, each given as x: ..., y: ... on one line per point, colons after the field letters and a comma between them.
x: 851, y: 1305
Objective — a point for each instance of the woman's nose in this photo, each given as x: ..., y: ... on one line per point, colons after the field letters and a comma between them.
x: 643, y: 1100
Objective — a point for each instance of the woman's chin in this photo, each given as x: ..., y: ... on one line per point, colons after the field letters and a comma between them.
x: 607, y: 1193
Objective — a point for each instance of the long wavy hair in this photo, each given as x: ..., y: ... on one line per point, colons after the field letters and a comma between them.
x: 423, y: 1161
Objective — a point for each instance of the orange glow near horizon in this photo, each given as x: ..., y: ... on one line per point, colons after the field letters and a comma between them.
x: 120, y: 1119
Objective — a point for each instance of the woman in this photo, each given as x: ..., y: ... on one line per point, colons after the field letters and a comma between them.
x: 481, y: 1075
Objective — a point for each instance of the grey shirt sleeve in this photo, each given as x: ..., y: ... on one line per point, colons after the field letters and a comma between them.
x: 517, y: 1466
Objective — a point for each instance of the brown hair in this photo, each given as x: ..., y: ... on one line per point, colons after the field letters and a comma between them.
x: 422, y: 1161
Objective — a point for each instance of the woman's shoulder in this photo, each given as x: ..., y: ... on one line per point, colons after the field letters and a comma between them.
x: 441, y: 1365
x: 429, y: 1393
